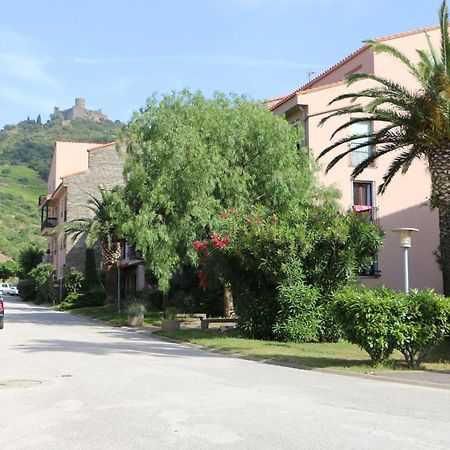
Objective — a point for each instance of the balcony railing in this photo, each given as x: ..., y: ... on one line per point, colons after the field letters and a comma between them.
x: 49, y: 222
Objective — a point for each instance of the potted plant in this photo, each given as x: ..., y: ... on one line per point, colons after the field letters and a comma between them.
x: 135, y: 311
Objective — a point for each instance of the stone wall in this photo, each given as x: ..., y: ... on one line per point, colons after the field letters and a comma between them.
x: 105, y: 169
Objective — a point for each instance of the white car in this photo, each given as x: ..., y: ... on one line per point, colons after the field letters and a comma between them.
x: 6, y: 288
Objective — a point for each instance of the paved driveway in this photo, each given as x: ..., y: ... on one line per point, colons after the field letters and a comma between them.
x: 107, y: 388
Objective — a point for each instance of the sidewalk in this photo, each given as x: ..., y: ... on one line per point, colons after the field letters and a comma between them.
x: 419, y: 377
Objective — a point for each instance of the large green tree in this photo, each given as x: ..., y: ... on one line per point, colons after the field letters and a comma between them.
x: 29, y: 258
x: 189, y: 158
x: 414, y: 124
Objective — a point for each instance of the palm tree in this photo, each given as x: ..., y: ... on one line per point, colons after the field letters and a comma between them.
x: 413, y: 125
x: 102, y: 227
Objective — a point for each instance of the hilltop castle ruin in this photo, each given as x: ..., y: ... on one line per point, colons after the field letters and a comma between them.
x: 79, y: 111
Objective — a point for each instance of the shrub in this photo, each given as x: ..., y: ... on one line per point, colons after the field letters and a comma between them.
x: 91, y: 280
x: 257, y: 250
x: 134, y: 307
x: 41, y: 275
x: 73, y: 281
x: 329, y: 329
x: 72, y: 301
x: 421, y: 319
x: 27, y: 289
x: 298, y: 319
x: 379, y: 321
x: 365, y: 316
x: 95, y: 297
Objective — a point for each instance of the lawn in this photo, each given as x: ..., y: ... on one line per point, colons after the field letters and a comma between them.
x: 110, y: 315
x: 341, y: 355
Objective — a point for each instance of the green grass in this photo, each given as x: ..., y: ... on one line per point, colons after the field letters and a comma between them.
x: 341, y: 355
x: 111, y: 316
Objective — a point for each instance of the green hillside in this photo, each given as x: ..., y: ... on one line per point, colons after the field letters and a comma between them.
x: 30, y: 143
x: 25, y: 157
x: 20, y: 188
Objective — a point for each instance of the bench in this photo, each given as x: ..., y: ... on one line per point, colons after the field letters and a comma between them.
x: 200, y: 316
x: 205, y: 322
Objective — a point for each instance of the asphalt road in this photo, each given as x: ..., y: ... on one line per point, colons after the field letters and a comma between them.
x: 69, y: 383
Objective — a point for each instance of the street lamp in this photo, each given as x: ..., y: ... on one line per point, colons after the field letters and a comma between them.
x: 405, y: 244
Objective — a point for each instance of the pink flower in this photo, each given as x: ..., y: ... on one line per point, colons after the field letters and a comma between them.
x: 274, y: 219
x: 218, y: 242
x: 200, y: 245
x: 203, y: 283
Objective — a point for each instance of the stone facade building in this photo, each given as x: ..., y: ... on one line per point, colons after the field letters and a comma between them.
x: 77, y: 172
x: 79, y: 111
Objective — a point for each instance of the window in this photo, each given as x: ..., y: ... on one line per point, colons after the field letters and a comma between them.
x: 363, y: 201
x: 363, y: 193
x: 360, y: 154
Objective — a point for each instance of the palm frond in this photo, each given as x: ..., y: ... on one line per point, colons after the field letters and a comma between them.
x: 401, y: 162
x: 445, y: 40
x: 379, y: 47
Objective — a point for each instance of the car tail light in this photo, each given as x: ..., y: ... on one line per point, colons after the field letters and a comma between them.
x: 1, y: 306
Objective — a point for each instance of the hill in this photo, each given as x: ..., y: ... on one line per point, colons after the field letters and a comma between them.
x: 30, y: 143
x: 25, y: 157
x: 19, y: 222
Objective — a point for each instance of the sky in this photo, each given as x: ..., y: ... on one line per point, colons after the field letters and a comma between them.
x: 116, y: 54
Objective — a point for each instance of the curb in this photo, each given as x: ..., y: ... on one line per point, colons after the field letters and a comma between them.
x: 149, y: 331
x: 273, y: 362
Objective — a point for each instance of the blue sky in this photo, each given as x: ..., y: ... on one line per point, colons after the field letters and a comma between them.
x: 116, y: 54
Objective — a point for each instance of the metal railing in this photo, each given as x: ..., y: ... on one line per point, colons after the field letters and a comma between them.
x: 49, y: 222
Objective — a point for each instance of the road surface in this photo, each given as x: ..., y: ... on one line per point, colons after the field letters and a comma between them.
x: 67, y: 382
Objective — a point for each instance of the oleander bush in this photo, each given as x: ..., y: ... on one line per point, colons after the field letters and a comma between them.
x: 298, y: 318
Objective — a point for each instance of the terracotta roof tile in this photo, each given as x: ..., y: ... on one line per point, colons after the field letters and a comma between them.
x: 97, y: 146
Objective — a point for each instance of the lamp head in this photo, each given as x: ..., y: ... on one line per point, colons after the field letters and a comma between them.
x: 405, y: 236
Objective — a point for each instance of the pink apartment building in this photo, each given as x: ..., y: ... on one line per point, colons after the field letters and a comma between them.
x: 405, y: 204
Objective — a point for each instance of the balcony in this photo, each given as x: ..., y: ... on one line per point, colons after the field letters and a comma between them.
x: 129, y: 256
x: 47, y: 224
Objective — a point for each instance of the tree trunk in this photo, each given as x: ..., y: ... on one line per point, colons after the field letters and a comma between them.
x: 444, y: 246
x: 439, y: 163
x: 111, y: 286
x: 228, y: 307
x: 165, y: 305
x: 110, y: 255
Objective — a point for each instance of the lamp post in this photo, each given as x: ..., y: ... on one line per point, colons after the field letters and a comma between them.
x: 405, y: 244
x: 118, y: 285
